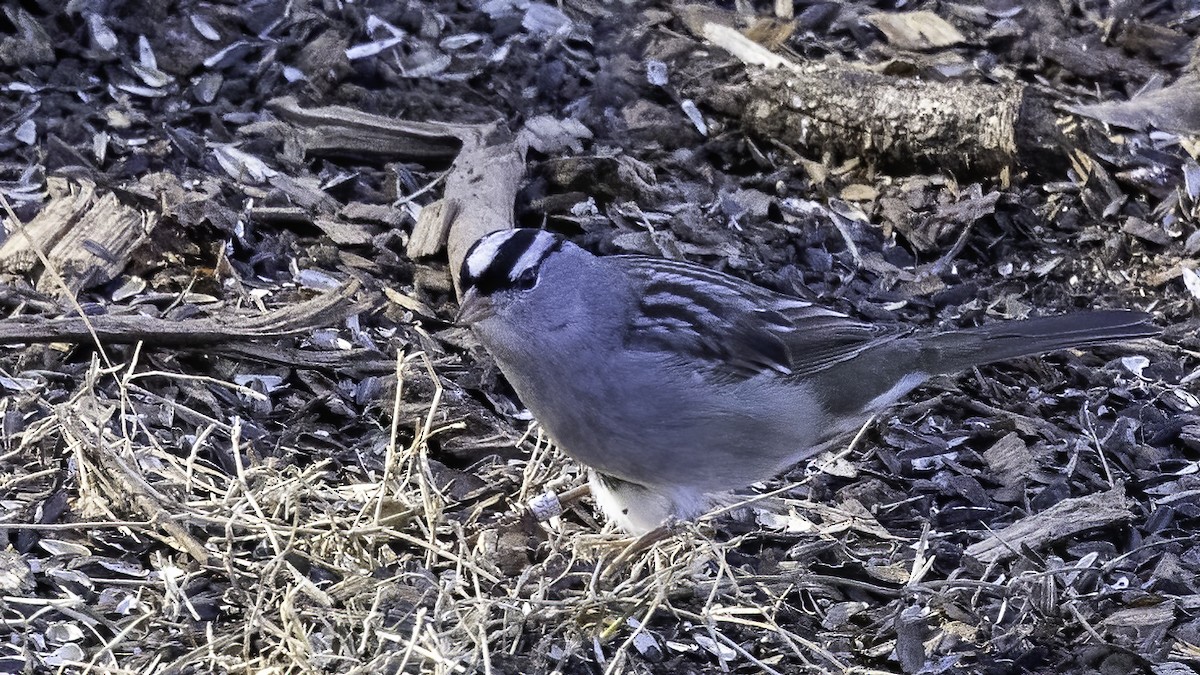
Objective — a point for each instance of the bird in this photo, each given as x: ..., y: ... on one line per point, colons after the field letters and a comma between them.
x: 676, y: 384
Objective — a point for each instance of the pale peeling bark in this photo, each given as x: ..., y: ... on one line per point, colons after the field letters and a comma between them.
x: 842, y: 111
x: 848, y: 113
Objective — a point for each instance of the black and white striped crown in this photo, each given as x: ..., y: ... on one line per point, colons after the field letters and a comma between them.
x: 508, y: 259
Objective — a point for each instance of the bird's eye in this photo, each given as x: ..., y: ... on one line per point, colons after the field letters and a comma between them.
x: 526, y: 280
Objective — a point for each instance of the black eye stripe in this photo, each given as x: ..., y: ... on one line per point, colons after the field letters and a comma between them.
x: 524, y: 248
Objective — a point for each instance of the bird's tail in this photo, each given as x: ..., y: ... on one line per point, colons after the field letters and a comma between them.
x: 953, y: 351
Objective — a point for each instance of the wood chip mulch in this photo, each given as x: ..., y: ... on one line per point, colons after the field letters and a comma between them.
x: 240, y: 432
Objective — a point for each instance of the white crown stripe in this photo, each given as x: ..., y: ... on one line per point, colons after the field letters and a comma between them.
x: 533, y: 255
x: 483, y: 255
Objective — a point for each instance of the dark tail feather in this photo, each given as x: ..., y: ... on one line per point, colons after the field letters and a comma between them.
x: 956, y: 350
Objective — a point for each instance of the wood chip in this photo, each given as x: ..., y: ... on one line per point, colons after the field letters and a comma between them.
x: 85, y: 235
x: 916, y: 30
x: 1068, y: 517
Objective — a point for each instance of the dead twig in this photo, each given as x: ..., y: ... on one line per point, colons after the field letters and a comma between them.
x: 323, y: 310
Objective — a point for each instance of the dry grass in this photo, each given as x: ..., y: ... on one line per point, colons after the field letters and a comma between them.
x: 158, y: 529
x: 278, y: 566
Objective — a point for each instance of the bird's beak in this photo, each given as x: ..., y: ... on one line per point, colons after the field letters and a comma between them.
x: 473, y: 308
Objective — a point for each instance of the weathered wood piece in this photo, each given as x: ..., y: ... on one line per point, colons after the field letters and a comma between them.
x: 301, y: 317
x: 339, y: 131
x: 1175, y: 107
x: 480, y: 188
x: 86, y: 235
x: 357, y: 362
x: 1066, y: 518
x: 849, y: 112
x: 480, y: 192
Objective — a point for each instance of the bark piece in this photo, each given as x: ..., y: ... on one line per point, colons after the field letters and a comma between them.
x: 1173, y: 108
x: 916, y: 30
x: 850, y: 112
x: 86, y: 236
x: 352, y: 362
x: 341, y: 131
x: 30, y: 46
x: 480, y: 191
x: 912, y: 627
x: 1068, y: 517
x: 126, y: 328
x: 1011, y: 460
